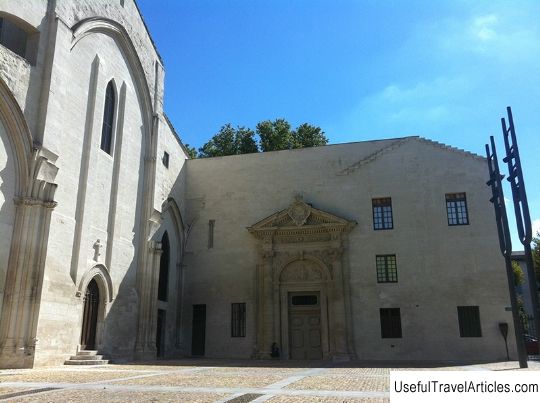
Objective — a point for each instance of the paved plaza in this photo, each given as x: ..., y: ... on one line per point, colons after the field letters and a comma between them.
x: 206, y: 380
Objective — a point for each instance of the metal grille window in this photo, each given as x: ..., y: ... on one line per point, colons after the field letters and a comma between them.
x: 469, y: 321
x: 238, y: 319
x: 456, y: 208
x: 382, y: 213
x: 390, y: 323
x: 386, y: 268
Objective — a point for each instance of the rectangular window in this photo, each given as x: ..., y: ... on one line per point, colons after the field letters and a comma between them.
x: 211, y: 224
x: 238, y: 319
x: 469, y: 321
x: 166, y: 159
x: 456, y: 208
x: 382, y: 213
x: 386, y: 268
x: 390, y: 323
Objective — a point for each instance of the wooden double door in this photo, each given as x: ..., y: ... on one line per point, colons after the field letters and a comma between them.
x: 305, y: 341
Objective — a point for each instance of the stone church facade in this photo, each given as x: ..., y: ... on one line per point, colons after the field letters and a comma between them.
x: 111, y: 239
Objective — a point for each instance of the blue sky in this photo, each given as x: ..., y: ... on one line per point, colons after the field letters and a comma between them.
x: 361, y: 70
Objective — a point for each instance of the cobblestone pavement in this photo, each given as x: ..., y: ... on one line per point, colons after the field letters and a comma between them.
x: 190, y: 380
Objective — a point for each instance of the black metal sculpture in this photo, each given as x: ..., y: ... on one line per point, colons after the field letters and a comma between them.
x: 505, y: 244
x: 521, y: 208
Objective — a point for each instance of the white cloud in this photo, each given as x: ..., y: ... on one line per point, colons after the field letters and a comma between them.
x: 483, y: 27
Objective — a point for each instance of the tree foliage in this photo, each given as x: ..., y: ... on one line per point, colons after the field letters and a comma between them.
x: 306, y: 135
x: 273, y: 136
x: 230, y: 141
x: 277, y: 135
x: 519, y: 277
x: 191, y: 151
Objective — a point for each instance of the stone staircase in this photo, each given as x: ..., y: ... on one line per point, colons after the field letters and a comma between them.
x: 86, y: 357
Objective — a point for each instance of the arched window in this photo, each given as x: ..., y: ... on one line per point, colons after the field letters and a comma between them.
x: 108, y: 117
x: 163, y: 283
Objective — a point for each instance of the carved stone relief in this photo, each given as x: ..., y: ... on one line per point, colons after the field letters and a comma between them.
x: 302, y: 270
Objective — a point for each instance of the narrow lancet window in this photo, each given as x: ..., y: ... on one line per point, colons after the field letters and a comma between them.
x: 108, y: 117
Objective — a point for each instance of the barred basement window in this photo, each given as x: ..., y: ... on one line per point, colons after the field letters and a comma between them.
x: 390, y: 323
x: 382, y: 213
x: 238, y: 319
x: 386, y: 268
x: 469, y: 321
x: 456, y: 208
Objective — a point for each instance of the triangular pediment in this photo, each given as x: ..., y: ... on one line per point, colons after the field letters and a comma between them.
x: 300, y: 218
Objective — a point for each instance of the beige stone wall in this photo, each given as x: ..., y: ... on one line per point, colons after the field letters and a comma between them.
x: 99, y: 196
x: 439, y: 266
x: 7, y: 208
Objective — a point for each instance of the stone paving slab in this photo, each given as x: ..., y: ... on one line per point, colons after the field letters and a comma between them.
x: 5, y: 391
x: 252, y: 371
x: 65, y: 376
x: 202, y: 380
x: 321, y: 382
x: 141, y: 367
x: 237, y: 381
x: 77, y: 396
x: 317, y: 399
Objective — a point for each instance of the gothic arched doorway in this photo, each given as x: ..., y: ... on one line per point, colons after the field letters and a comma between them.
x: 90, y: 316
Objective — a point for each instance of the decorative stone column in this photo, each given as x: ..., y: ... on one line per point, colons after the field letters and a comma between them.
x: 26, y: 263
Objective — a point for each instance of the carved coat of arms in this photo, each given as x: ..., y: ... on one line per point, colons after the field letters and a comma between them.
x: 299, y: 212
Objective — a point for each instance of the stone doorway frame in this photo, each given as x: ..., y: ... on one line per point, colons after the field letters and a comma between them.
x: 299, y: 233
x: 100, y: 274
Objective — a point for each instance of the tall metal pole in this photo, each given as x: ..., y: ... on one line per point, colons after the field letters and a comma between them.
x: 505, y: 244
x: 521, y: 208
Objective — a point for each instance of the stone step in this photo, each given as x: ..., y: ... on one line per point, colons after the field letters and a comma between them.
x: 87, y: 352
x: 86, y: 357
x: 86, y: 362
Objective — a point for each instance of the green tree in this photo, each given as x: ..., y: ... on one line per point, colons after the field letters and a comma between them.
x: 245, y: 141
x: 307, y: 135
x: 191, y: 151
x: 518, y: 273
x: 274, y: 135
x: 230, y: 141
x: 277, y: 135
x: 223, y: 143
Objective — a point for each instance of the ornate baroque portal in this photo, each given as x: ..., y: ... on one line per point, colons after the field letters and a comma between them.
x: 302, y: 254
